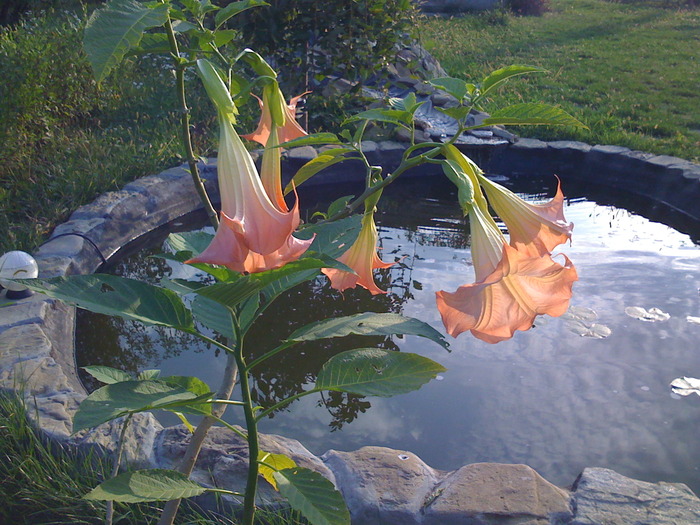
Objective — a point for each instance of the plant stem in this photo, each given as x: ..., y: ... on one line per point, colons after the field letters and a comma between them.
x: 185, y: 125
x: 109, y: 513
x: 195, y: 445
x: 253, y: 445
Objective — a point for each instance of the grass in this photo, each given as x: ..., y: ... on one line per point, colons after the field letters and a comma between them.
x: 43, y: 483
x: 628, y: 70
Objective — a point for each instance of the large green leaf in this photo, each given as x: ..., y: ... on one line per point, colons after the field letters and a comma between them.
x: 334, y: 238
x: 498, y: 77
x: 456, y: 87
x: 531, y: 114
x: 213, y: 316
x: 112, y: 295
x: 315, y: 139
x: 194, y: 242
x: 391, y: 116
x: 367, y: 323
x: 376, y: 372
x: 107, y: 375
x: 235, y: 8
x: 115, y: 29
x: 146, y: 485
x: 314, y: 166
x: 313, y: 495
x: 129, y: 397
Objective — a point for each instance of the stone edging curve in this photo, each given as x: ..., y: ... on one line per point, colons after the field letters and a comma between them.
x: 380, y: 485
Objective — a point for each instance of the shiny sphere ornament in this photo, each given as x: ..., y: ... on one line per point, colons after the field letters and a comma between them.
x: 17, y: 265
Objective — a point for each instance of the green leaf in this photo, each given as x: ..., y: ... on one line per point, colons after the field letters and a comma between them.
x: 456, y: 87
x: 224, y: 36
x: 312, y: 495
x: 376, y: 372
x: 153, y: 43
x: 271, y: 463
x: 235, y: 8
x: 115, y: 29
x: 338, y: 204
x: 532, y: 114
x: 194, y: 242
x: 367, y: 323
x: 311, y: 168
x: 457, y: 113
x: 391, y: 116
x: 112, y: 295
x: 107, y: 375
x: 257, y: 62
x: 333, y: 238
x: 128, y: 397
x: 498, y: 77
x: 148, y: 374
x: 146, y: 485
x: 211, y: 315
x: 315, y: 139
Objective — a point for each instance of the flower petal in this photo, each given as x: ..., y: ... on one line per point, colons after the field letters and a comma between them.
x: 535, y: 229
x: 509, y: 299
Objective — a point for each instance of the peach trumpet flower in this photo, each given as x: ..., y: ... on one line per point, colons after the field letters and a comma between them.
x: 254, y: 235
x: 289, y: 129
x: 512, y: 287
x: 534, y: 229
x: 361, y: 257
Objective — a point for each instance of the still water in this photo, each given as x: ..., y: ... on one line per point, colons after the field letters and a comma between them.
x: 556, y: 397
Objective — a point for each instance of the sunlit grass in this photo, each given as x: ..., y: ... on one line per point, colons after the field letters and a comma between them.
x: 628, y: 70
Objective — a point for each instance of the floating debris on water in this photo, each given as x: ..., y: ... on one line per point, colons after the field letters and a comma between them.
x: 652, y: 315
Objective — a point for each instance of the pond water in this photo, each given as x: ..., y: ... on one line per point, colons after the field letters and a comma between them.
x: 556, y: 397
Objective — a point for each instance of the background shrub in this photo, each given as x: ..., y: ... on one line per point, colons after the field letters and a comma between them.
x: 528, y: 7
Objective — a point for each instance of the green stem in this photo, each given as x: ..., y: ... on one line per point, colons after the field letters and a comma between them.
x: 253, y: 444
x: 271, y: 353
x: 185, y: 125
x: 109, y: 514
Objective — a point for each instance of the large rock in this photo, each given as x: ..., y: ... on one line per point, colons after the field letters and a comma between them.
x: 604, y: 497
x: 494, y: 493
x: 382, y: 485
x: 223, y: 460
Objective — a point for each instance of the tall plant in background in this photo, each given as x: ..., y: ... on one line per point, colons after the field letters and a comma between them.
x: 256, y: 256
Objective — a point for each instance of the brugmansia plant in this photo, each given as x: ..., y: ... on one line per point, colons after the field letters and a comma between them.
x: 260, y: 251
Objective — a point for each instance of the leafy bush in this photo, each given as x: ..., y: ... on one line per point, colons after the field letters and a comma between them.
x: 312, y: 40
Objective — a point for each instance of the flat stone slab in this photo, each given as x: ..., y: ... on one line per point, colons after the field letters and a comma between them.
x: 495, y: 493
x: 604, y: 497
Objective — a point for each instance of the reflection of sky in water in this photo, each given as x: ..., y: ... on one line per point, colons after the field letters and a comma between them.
x: 548, y: 397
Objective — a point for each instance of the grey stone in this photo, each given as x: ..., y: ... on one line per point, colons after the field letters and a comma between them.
x: 304, y: 154
x: 223, y: 459
x: 138, y: 450
x: 381, y: 485
x: 40, y: 376
x: 604, y: 497
x: 22, y: 342
x: 54, y: 414
x: 26, y: 311
x: 55, y: 266
x: 530, y: 144
x: 570, y: 145
x: 84, y: 226
x: 494, y: 493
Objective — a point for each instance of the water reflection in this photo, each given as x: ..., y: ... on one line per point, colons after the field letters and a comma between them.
x: 548, y: 397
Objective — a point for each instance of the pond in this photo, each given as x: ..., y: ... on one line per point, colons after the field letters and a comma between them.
x: 590, y: 388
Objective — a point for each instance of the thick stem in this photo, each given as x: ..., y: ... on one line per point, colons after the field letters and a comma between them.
x: 185, y: 126
x: 195, y: 445
x: 251, y: 488
x: 109, y: 514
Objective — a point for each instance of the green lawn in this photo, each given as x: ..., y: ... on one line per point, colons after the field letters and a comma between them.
x: 630, y: 71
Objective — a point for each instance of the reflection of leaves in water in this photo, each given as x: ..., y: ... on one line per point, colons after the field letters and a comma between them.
x: 343, y: 407
x: 581, y: 321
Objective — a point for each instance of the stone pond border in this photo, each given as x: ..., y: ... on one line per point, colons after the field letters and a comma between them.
x: 380, y: 485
